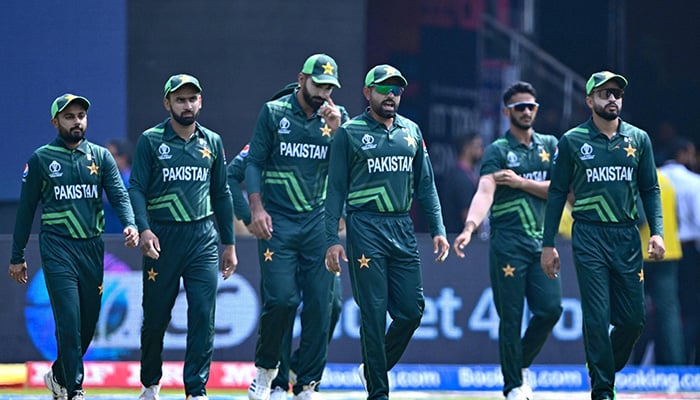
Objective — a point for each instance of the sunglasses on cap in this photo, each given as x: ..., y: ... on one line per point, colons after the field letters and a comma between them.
x: 604, y: 94
x: 386, y: 89
x: 521, y: 106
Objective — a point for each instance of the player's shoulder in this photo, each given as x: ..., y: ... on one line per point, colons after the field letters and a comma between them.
x: 633, y: 131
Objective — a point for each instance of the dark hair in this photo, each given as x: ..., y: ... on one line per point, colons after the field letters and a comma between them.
x: 122, y: 147
x: 677, y: 146
x: 518, y: 87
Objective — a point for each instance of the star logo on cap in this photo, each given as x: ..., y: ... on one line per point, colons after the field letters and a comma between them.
x: 205, y: 153
x: 328, y: 68
x: 544, y: 156
x: 630, y: 150
x: 268, y: 254
x: 152, y: 274
x: 101, y: 289
x: 641, y: 275
x: 69, y: 97
x: 93, y: 168
x: 508, y: 271
x: 364, y: 261
x: 390, y: 71
x: 326, y: 131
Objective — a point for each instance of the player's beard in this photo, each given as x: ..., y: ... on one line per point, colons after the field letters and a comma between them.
x: 186, y: 121
x: 315, y: 102
x: 602, y: 112
x: 387, y: 113
x: 73, y: 135
x: 521, y: 125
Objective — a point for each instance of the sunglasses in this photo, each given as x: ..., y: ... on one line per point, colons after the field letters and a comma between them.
x: 521, y: 106
x: 386, y: 89
x: 604, y: 94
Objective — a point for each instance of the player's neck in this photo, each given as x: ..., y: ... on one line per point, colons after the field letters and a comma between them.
x: 523, y: 136
x: 184, y: 132
x: 388, y: 122
x: 606, y: 127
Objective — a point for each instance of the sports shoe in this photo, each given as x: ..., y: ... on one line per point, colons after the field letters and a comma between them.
x: 516, y: 394
x: 525, y: 387
x: 278, y: 394
x: 58, y: 391
x: 363, y: 379
x: 308, y: 392
x: 150, y: 393
x: 78, y: 395
x: 259, y: 389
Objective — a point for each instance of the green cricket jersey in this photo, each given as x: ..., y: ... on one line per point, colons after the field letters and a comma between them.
x: 380, y: 170
x: 515, y: 210
x: 69, y: 184
x: 235, y: 175
x: 606, y: 176
x: 288, y: 156
x: 173, y: 180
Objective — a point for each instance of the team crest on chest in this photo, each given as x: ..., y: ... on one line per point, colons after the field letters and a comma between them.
x: 544, y: 155
x: 284, y: 126
x: 586, y: 152
x: 512, y: 160
x: 368, y: 142
x: 55, y: 169
x: 325, y: 130
x: 164, y: 152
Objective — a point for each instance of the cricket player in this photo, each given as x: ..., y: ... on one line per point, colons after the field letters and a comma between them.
x: 378, y: 163
x: 608, y: 164
x: 68, y: 177
x: 178, y: 180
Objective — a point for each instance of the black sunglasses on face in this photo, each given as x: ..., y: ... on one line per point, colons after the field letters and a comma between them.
x: 521, y: 106
x: 604, y: 94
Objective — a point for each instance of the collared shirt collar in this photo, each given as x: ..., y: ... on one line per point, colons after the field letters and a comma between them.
x: 169, y: 133
x: 82, y: 147
x: 397, y: 123
x: 594, y: 131
x: 514, y: 142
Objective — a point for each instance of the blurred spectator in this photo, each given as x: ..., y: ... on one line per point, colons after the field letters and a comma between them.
x: 687, y: 186
x: 459, y: 184
x: 121, y: 151
x: 664, y: 327
x: 664, y: 136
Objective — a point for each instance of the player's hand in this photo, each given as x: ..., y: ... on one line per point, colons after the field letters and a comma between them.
x: 441, y: 247
x: 131, y: 237
x: 229, y: 261
x: 150, y: 245
x: 18, y: 272
x: 260, y: 221
x: 333, y: 256
x: 330, y: 113
x: 461, y: 241
x: 508, y: 177
x: 656, y: 248
x: 549, y: 261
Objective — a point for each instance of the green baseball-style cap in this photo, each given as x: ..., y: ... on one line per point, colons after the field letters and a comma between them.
x: 175, y: 82
x: 381, y: 73
x: 322, y: 68
x: 62, y: 102
x: 599, y: 78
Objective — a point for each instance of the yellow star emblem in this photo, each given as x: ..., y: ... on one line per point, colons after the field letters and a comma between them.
x: 508, y: 271
x: 390, y: 71
x: 205, y: 153
x: 544, y: 156
x: 268, y: 254
x: 410, y: 140
x: 101, y: 289
x: 328, y: 68
x: 364, y: 261
x: 93, y: 168
x: 326, y: 131
x: 152, y: 274
x: 641, y: 275
x: 630, y: 150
